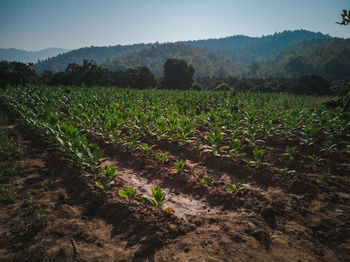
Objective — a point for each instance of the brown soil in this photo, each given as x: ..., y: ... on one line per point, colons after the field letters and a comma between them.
x: 279, y: 218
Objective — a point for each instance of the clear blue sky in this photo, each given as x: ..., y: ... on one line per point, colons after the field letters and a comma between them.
x: 38, y: 24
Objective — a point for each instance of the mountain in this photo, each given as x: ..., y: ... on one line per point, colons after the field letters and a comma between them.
x: 329, y: 57
x: 12, y: 54
x: 285, y: 54
x: 206, y: 62
x: 248, y: 49
x: 93, y: 53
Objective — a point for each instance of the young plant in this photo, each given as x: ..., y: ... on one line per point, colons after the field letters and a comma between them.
x: 162, y: 157
x: 146, y: 150
x: 286, y: 171
x: 108, y: 176
x: 236, y: 148
x: 158, y: 198
x: 258, y: 155
x: 215, y: 140
x: 180, y: 165
x: 207, y: 179
x: 316, y: 161
x: 290, y: 152
x: 235, y: 186
x: 329, y: 146
x: 308, y: 135
x: 129, y: 193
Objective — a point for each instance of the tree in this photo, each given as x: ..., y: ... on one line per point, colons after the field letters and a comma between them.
x: 178, y: 74
x: 346, y: 18
x: 16, y: 73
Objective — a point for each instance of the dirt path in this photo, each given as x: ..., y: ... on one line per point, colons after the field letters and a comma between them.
x: 51, y: 211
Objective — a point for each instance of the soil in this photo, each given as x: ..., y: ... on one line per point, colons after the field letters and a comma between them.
x: 294, y: 217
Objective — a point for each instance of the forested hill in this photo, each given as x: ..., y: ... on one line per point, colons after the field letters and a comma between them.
x: 93, y: 53
x: 205, y: 61
x: 326, y: 57
x: 247, y: 49
x: 286, y: 54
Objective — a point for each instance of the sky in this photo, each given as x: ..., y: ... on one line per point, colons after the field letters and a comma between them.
x: 71, y: 24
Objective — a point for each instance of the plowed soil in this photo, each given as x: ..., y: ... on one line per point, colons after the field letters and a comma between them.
x: 294, y: 217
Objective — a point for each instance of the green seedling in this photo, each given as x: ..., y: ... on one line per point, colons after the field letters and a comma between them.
x: 235, y: 186
x: 308, y: 135
x: 329, y: 146
x: 215, y: 140
x: 207, y: 179
x: 316, y: 159
x: 162, y: 157
x: 180, y: 165
x: 236, y: 148
x: 146, y: 150
x: 290, y: 152
x: 286, y: 171
x: 158, y: 198
x: 324, y: 177
x: 258, y: 155
x: 129, y: 193
x: 108, y: 176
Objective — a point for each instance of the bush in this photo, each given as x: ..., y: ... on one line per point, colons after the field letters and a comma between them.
x: 312, y: 85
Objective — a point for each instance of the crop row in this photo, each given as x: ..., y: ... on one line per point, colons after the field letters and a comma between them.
x: 237, y: 126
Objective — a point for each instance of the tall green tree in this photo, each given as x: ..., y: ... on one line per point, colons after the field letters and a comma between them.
x: 178, y: 74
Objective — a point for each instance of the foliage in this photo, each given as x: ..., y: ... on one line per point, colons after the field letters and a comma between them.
x: 290, y: 152
x: 206, y: 179
x: 16, y: 73
x: 158, y: 198
x: 180, y: 165
x: 108, y: 175
x: 178, y: 74
x: 162, y: 156
x: 129, y: 193
x: 346, y: 18
x: 235, y: 186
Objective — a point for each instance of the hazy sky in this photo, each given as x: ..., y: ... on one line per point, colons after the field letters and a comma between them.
x: 38, y: 24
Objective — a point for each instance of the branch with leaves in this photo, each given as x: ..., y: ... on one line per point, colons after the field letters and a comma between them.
x: 346, y: 18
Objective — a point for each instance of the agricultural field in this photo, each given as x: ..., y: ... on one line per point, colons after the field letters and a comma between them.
x: 165, y: 175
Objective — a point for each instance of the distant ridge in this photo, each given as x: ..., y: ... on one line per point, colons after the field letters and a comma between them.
x: 285, y: 54
x: 13, y: 54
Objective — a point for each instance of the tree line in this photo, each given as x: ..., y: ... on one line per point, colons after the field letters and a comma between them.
x: 178, y: 74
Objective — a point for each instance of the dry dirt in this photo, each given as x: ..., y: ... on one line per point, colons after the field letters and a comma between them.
x: 279, y: 218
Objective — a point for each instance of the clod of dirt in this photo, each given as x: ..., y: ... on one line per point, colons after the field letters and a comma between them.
x: 268, y: 215
x: 301, y: 188
x: 263, y: 237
